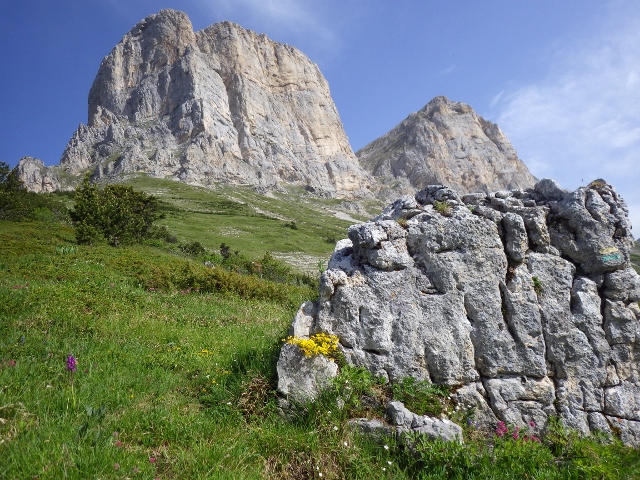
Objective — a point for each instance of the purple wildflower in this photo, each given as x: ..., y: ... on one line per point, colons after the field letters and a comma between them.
x: 501, y: 429
x: 532, y: 424
x: 71, y: 363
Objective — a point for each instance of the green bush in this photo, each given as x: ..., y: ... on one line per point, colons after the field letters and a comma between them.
x: 116, y: 213
x: 267, y: 268
x: 193, y: 249
x: 421, y: 397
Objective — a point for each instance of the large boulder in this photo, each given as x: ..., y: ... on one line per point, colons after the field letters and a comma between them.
x: 523, y: 302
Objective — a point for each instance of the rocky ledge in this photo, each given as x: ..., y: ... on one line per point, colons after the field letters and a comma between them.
x: 523, y: 302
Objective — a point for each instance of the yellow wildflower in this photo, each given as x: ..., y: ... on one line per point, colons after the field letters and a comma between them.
x: 317, y: 344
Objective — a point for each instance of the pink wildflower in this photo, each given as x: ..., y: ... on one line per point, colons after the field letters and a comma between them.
x: 71, y: 363
x: 501, y: 429
x: 532, y: 424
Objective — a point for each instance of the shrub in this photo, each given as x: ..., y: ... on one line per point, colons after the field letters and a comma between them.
x: 597, y: 184
x: 421, y: 397
x: 192, y: 248
x: 537, y: 284
x: 317, y: 344
x: 443, y: 208
x: 117, y: 213
x: 292, y: 225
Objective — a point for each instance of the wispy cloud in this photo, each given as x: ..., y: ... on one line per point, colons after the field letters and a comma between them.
x: 447, y: 70
x: 308, y: 18
x: 581, y: 121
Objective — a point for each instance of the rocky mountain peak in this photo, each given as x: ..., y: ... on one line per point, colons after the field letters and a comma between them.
x: 152, y: 44
x: 221, y: 105
x: 446, y: 142
x: 225, y: 105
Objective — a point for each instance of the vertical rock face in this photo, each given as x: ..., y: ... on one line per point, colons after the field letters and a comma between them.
x: 38, y: 178
x: 219, y: 105
x: 523, y: 301
x: 446, y: 143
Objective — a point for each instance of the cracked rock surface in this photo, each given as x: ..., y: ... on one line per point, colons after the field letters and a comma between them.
x: 223, y: 104
x: 522, y: 301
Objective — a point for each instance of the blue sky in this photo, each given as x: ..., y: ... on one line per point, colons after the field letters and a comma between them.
x: 561, y: 78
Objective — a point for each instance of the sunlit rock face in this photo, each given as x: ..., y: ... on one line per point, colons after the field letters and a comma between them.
x: 445, y: 143
x: 223, y: 104
x: 523, y: 301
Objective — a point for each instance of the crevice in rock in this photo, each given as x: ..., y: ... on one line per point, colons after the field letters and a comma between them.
x: 234, y: 109
x: 373, y: 351
x: 506, y: 316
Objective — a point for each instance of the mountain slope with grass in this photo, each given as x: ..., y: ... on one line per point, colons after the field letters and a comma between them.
x: 140, y: 361
x: 173, y: 377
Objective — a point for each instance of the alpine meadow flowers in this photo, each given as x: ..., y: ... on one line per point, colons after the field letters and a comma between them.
x: 71, y: 368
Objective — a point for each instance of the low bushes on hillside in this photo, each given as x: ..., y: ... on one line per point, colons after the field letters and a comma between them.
x: 116, y: 213
x: 17, y: 204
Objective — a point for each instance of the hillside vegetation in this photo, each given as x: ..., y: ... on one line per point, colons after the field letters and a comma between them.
x: 298, y: 229
x: 635, y: 257
x: 139, y: 361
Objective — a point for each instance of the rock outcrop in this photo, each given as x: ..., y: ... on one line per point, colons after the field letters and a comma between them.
x: 522, y: 301
x: 445, y: 143
x: 226, y: 105
x: 223, y: 104
x: 38, y: 178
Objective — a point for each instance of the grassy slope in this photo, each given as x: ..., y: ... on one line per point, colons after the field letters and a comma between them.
x: 250, y: 222
x: 635, y: 257
x: 168, y: 367
x: 186, y: 378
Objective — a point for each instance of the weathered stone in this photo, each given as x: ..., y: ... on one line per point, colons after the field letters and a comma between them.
x: 434, y: 428
x: 445, y: 143
x: 372, y: 427
x: 38, y: 178
x: 623, y: 401
x: 516, y: 241
x: 622, y: 285
x: 381, y: 245
x: 549, y: 189
x: 587, y: 229
x: 520, y: 400
x: 302, y: 378
x: 628, y: 430
x: 483, y: 302
x: 222, y: 104
x: 304, y: 320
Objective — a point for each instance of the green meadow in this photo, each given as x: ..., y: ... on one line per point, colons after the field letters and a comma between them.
x: 175, y: 361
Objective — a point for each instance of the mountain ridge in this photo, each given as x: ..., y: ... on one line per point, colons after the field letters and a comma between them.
x: 225, y: 105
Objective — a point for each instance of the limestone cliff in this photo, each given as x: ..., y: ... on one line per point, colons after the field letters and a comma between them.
x: 219, y: 105
x: 226, y: 105
x: 523, y: 301
x: 445, y: 143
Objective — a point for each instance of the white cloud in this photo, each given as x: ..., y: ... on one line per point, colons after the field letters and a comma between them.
x: 447, y: 70
x: 581, y: 121
x: 308, y: 18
